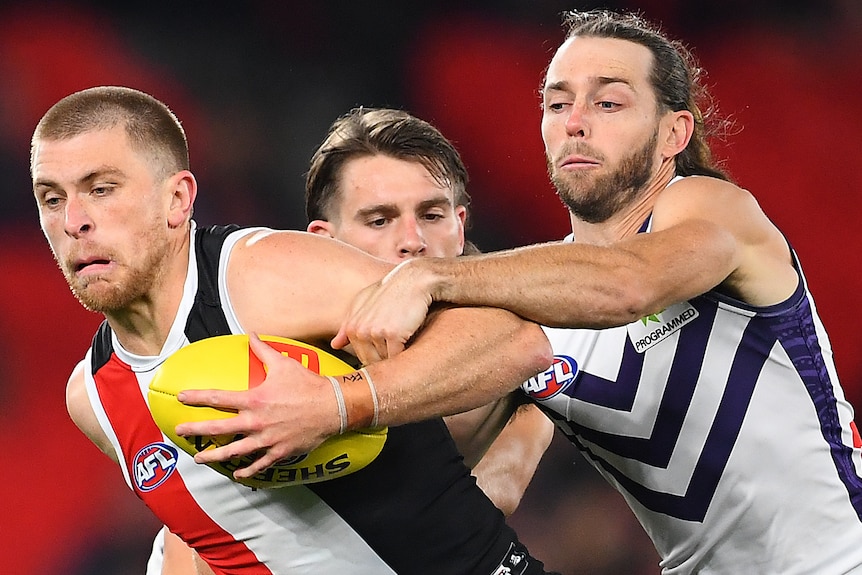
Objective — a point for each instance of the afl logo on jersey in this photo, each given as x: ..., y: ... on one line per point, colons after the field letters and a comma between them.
x: 553, y: 380
x: 153, y: 465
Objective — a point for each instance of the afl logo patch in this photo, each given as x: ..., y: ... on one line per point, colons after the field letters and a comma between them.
x: 553, y: 380
x: 153, y: 465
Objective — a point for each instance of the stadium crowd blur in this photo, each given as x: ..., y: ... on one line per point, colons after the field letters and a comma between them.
x: 257, y: 83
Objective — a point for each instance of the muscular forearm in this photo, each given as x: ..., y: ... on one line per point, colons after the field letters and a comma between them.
x: 466, y: 357
x: 557, y: 285
x: 494, y: 353
x: 582, y: 285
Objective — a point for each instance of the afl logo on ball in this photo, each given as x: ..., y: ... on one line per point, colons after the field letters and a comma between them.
x: 553, y: 380
x: 153, y: 465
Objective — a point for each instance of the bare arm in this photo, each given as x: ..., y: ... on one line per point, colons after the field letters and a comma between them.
x: 82, y: 414
x: 706, y: 234
x: 503, y: 443
x: 505, y: 472
x: 301, y: 286
x: 476, y: 430
x: 180, y: 559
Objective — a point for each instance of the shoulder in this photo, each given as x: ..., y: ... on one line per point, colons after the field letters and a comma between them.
x: 764, y: 273
x: 297, y: 284
x: 81, y: 411
x: 297, y: 248
x: 296, y: 257
x: 726, y: 206
x: 703, y: 196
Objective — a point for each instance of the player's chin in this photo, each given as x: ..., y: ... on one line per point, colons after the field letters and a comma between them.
x: 98, y: 295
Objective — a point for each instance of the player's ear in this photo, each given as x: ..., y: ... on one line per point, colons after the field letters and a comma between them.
x: 461, y: 214
x: 183, y: 191
x: 680, y: 129
x: 321, y: 228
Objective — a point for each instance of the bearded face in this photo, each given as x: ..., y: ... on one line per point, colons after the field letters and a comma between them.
x: 131, y: 278
x: 594, y: 198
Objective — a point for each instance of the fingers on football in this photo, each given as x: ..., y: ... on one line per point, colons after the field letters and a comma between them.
x: 226, y: 426
x: 340, y: 341
x: 232, y: 450
x: 264, y: 352
x: 258, y: 465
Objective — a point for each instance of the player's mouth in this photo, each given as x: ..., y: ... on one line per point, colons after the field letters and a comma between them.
x: 577, y: 162
x: 90, y: 265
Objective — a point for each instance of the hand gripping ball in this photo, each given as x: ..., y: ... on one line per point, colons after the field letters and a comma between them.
x: 228, y: 363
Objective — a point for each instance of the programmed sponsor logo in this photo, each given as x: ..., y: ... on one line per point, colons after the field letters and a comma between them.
x: 553, y: 380
x: 153, y: 465
x: 655, y: 328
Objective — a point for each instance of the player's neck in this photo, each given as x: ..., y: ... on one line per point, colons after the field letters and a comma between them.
x: 628, y: 220
x: 143, y: 326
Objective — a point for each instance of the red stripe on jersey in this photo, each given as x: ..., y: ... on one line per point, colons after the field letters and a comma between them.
x: 857, y: 439
x: 171, y: 501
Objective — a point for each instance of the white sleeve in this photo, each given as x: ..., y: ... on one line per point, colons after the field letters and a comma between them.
x: 157, y: 555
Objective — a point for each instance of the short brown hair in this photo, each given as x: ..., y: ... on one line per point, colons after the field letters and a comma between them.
x: 150, y: 125
x: 372, y: 131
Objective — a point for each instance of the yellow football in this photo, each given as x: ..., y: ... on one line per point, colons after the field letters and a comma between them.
x: 227, y: 362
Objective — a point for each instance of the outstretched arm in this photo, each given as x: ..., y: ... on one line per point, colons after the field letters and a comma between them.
x: 706, y: 234
x: 294, y: 409
x: 463, y: 357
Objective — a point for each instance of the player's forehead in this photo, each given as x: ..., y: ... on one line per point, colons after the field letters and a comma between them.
x: 382, y: 180
x: 73, y: 157
x: 588, y: 60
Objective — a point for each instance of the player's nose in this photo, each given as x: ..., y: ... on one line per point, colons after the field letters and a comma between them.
x: 411, y: 242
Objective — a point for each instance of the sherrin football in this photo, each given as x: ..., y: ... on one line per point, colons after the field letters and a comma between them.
x: 227, y: 362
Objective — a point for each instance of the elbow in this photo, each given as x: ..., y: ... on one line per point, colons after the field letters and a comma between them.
x: 635, y: 303
x: 508, y: 502
x: 632, y: 300
x: 505, y: 496
x: 538, y: 352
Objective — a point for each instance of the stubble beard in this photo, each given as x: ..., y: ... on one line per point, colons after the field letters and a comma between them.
x: 105, y: 294
x: 597, y: 199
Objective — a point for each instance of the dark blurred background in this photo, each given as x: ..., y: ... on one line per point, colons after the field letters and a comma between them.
x: 257, y: 84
